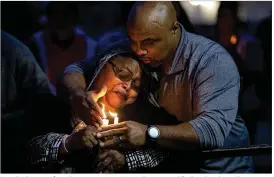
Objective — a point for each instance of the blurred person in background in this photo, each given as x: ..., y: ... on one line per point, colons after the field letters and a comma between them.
x: 237, y: 42
x: 262, y: 83
x: 22, y: 84
x: 226, y: 32
x: 20, y: 14
x: 61, y: 43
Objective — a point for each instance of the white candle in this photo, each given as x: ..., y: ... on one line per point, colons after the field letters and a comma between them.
x: 116, y: 120
x: 105, y: 121
x: 115, y: 117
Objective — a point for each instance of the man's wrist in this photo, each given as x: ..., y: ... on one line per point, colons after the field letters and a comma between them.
x: 152, y: 135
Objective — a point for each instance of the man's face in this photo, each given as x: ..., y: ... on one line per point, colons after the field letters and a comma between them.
x: 152, y: 43
x: 122, y: 76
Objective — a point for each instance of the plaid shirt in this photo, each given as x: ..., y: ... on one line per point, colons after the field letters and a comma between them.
x: 144, y: 158
x: 43, y: 151
x: 44, y: 154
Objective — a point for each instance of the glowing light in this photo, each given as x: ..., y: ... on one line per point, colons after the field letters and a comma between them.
x: 103, y: 110
x: 233, y: 39
x: 105, y: 120
x: 115, y: 115
x: 207, y: 4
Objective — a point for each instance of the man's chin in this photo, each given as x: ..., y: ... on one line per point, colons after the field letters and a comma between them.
x: 152, y: 64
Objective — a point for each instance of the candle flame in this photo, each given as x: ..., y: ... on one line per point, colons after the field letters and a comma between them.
x: 103, y: 110
x: 113, y: 114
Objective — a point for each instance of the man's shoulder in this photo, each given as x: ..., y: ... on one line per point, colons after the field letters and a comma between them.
x: 203, y: 49
x: 205, y: 45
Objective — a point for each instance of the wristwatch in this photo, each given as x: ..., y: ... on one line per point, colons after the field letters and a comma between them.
x: 152, y: 134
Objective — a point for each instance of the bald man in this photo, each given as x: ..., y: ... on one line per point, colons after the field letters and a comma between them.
x: 192, y: 78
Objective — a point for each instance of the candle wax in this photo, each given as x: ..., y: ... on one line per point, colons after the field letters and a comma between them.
x: 105, y: 122
x: 116, y: 120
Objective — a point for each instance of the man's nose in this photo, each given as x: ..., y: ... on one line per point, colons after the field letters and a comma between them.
x: 141, y: 52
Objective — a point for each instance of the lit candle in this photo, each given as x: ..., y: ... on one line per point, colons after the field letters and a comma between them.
x: 116, y: 120
x: 105, y: 120
x: 115, y: 115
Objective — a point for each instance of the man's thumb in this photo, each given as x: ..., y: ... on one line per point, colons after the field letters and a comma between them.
x: 101, y: 93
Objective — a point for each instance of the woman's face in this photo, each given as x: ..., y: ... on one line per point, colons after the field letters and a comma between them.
x: 122, y: 76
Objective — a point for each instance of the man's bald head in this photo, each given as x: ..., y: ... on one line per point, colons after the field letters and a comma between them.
x: 154, y: 31
x: 162, y: 14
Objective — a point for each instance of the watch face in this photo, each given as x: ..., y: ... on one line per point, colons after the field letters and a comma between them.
x: 153, y: 132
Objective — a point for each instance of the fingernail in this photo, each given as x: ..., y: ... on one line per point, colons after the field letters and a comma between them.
x: 99, y: 135
x: 102, y: 144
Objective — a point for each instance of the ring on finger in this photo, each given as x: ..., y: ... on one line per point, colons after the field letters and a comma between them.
x: 117, y: 139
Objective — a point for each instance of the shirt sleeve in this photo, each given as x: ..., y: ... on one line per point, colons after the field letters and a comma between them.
x: 43, y: 151
x: 215, y: 100
x: 144, y: 158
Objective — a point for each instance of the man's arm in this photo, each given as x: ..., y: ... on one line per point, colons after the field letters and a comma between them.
x: 215, y: 106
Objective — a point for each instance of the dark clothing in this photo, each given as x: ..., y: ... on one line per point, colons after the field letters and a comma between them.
x: 28, y: 107
x: 22, y: 81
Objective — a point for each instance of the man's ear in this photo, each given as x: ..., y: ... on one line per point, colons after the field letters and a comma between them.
x: 175, y: 28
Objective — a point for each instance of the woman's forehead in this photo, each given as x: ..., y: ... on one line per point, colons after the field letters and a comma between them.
x: 126, y: 62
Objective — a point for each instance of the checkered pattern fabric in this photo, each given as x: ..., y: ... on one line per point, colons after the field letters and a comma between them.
x: 144, y: 158
x: 44, y: 150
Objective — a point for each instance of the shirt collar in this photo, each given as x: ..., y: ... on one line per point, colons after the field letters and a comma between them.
x: 178, y: 61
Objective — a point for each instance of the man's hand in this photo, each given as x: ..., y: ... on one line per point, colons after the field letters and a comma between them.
x: 84, y: 138
x: 84, y: 104
x: 130, y: 132
x: 110, y: 161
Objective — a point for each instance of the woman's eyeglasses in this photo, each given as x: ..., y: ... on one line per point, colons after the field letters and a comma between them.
x: 125, y: 75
